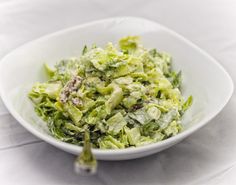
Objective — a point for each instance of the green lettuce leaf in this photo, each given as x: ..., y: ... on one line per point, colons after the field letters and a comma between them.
x: 114, y: 99
x: 40, y: 90
x: 74, y: 113
x: 187, y: 103
x: 116, y: 124
x: 110, y: 142
x: 129, y: 44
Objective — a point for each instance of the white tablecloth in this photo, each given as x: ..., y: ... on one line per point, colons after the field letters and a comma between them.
x: 206, y: 157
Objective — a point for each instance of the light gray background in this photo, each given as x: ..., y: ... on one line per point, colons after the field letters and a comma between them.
x: 206, y: 157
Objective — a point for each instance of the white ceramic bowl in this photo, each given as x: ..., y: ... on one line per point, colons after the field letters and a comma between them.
x: 203, y: 76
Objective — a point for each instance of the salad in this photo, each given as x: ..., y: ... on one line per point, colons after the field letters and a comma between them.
x: 123, y: 95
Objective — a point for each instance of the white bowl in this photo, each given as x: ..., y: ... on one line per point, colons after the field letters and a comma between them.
x: 204, y: 77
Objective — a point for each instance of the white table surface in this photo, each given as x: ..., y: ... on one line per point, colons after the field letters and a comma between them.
x: 206, y: 157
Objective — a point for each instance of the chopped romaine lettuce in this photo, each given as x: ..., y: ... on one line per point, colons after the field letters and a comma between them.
x: 109, y: 142
x: 116, y: 124
x: 120, y: 96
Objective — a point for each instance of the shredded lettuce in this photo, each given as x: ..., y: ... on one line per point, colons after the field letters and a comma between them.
x: 123, y: 95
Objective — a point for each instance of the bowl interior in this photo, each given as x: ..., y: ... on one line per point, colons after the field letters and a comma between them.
x: 203, y: 78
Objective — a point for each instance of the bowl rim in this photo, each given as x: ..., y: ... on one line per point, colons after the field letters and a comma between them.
x: 132, y: 150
